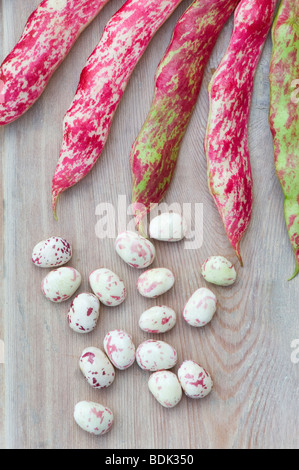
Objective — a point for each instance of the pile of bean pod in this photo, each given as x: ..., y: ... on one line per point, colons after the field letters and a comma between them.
x: 119, y: 352
x: 54, y: 27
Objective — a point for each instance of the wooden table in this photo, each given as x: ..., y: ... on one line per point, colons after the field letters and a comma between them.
x: 247, y: 347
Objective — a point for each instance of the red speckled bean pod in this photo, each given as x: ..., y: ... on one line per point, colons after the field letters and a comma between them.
x: 102, y: 83
x: 177, y: 84
x: 49, y: 34
x: 226, y: 143
x: 284, y: 113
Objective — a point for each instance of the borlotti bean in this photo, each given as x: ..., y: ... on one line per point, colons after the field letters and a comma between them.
x: 155, y: 282
x: 218, y: 270
x: 168, y: 227
x: 135, y: 250
x: 84, y: 312
x: 284, y: 114
x: 61, y: 283
x: 96, y: 367
x: 155, y: 355
x: 93, y: 417
x: 50, y: 253
x: 166, y: 388
x: 49, y: 34
x: 108, y: 287
x: 103, y: 80
x: 195, y: 380
x: 226, y: 142
x: 178, y: 81
x: 120, y: 349
x: 200, y: 308
x: 157, y: 319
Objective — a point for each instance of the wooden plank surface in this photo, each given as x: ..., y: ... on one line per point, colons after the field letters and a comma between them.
x: 247, y: 346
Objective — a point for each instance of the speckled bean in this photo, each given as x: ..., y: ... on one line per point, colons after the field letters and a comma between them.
x: 135, y: 250
x: 155, y: 355
x: 166, y: 388
x: 218, y: 270
x: 84, y: 312
x: 157, y: 319
x: 108, y: 287
x: 60, y: 284
x: 200, y: 308
x: 50, y: 253
x: 195, y: 380
x: 96, y: 368
x: 155, y: 282
x: 120, y: 349
x: 93, y: 417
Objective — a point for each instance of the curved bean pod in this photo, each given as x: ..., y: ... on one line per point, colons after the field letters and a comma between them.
x: 49, y: 34
x: 102, y: 83
x: 284, y: 113
x: 177, y: 84
x: 230, y: 94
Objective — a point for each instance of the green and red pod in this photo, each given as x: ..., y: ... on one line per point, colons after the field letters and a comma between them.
x: 177, y: 84
x: 230, y: 95
x: 284, y: 113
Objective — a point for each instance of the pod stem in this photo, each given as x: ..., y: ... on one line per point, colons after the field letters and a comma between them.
x: 140, y: 228
x: 295, y: 272
x: 54, y: 207
x: 237, y: 251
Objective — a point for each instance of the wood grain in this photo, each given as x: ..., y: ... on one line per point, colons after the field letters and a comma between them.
x: 247, y: 346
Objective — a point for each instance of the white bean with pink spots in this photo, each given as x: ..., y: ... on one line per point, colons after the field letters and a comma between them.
x: 108, y: 287
x: 155, y: 282
x: 195, y: 380
x: 96, y: 368
x: 120, y: 348
x: 155, y: 355
x: 200, y: 308
x: 93, y: 417
x: 218, y: 270
x: 51, y: 253
x: 135, y: 250
x: 166, y: 388
x: 84, y: 312
x: 61, y: 283
x: 157, y: 319
x: 168, y: 227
